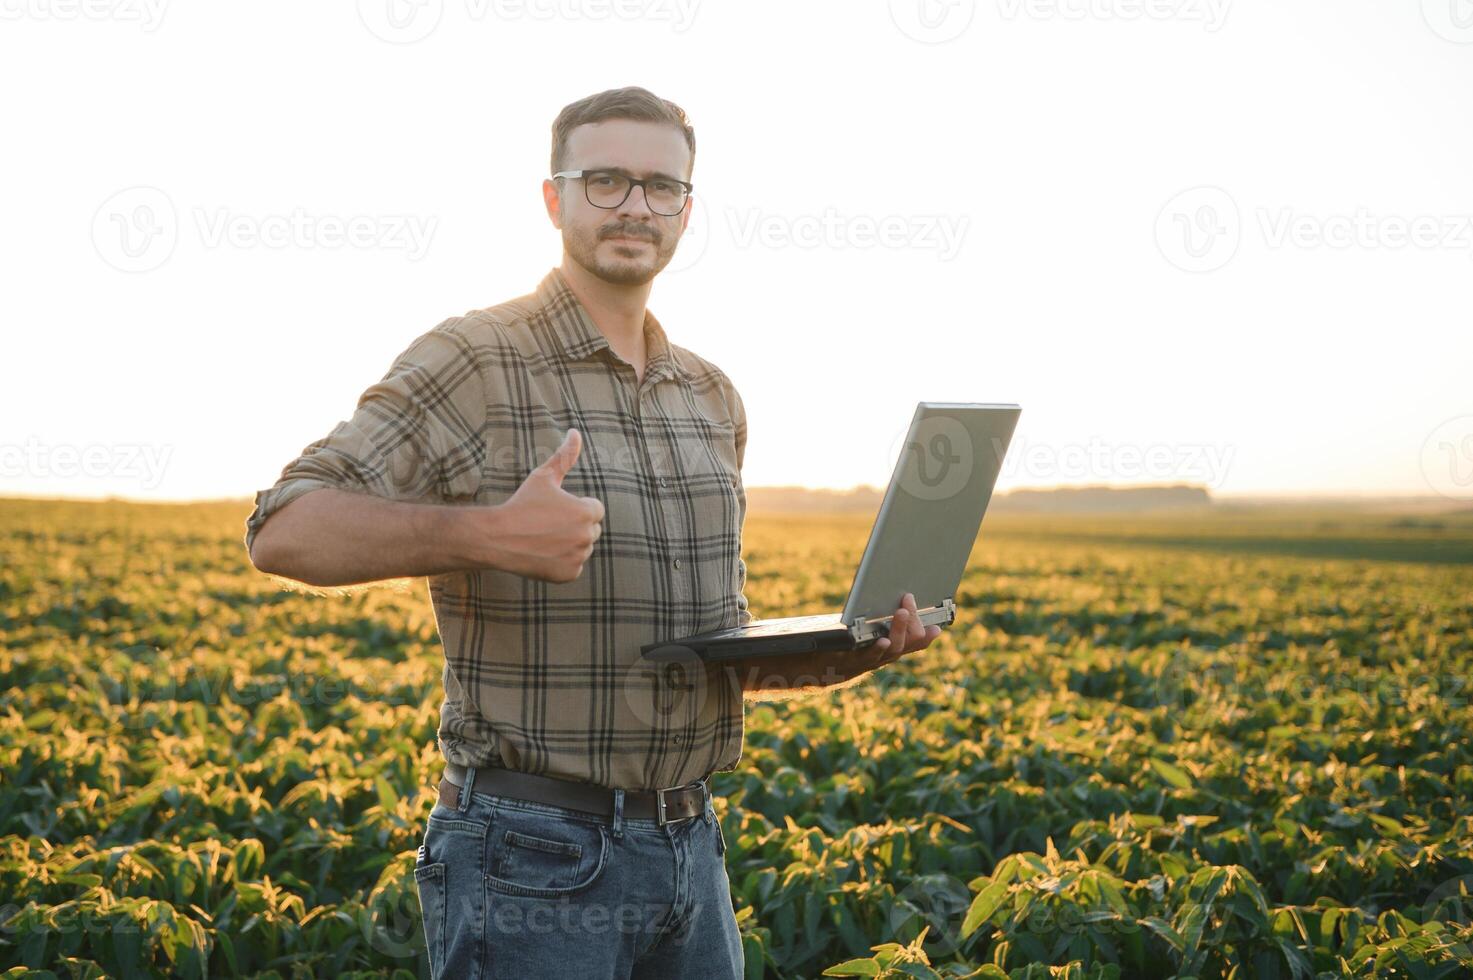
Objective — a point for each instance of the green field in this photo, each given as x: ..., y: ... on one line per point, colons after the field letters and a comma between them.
x: 1233, y: 745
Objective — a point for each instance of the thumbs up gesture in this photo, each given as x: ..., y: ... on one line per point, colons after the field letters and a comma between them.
x: 542, y: 531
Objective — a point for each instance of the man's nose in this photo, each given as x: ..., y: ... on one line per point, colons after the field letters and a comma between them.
x: 629, y: 207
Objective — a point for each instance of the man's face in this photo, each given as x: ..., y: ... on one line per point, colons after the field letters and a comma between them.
x: 627, y: 245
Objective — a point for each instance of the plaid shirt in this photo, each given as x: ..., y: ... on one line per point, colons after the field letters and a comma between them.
x: 546, y: 677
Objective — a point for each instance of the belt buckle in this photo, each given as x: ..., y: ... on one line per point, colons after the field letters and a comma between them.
x: 660, y: 799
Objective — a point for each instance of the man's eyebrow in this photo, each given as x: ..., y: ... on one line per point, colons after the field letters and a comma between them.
x: 626, y: 173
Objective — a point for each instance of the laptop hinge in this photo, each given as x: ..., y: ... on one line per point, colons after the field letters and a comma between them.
x: 865, y: 630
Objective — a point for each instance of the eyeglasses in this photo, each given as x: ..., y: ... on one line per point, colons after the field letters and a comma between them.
x: 610, y: 189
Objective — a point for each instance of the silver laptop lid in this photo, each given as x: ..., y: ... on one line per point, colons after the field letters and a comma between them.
x: 933, y: 507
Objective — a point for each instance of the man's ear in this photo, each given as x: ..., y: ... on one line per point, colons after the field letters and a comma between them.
x: 553, y: 201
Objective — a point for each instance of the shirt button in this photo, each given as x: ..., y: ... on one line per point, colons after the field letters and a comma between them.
x: 676, y: 739
x: 664, y: 482
x: 677, y: 563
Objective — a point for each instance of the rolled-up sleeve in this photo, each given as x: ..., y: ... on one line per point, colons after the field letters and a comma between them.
x: 416, y: 435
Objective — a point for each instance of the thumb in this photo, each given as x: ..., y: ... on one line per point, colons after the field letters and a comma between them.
x: 563, y: 457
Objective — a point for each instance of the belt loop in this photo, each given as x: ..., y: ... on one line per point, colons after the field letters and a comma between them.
x: 466, y: 789
x: 618, y: 814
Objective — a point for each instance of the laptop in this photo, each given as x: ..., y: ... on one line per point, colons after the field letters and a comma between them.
x: 920, y: 541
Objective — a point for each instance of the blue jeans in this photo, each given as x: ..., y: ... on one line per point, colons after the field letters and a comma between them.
x: 516, y: 890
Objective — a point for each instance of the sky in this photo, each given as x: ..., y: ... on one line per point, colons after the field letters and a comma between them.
x: 1204, y: 241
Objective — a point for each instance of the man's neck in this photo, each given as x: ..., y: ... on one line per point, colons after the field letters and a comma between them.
x: 617, y: 311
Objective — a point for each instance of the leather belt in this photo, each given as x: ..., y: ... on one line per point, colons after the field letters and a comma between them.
x: 661, y: 805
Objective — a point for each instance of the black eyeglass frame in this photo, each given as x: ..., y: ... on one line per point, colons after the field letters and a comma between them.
x: 633, y: 183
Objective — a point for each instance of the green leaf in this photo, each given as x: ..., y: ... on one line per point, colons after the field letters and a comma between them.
x: 1387, y: 824
x: 988, y: 901
x: 1163, y: 929
x: 755, y: 966
x: 1174, y: 775
x: 1299, y: 964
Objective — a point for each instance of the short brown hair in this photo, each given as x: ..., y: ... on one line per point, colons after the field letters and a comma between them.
x: 630, y: 102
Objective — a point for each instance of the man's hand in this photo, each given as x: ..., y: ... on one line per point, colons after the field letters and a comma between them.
x: 541, y: 531
x: 786, y: 675
x: 907, y: 635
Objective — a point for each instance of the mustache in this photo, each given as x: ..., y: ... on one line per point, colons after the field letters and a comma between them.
x: 631, y: 231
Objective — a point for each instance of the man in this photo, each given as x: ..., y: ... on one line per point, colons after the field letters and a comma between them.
x: 570, y: 483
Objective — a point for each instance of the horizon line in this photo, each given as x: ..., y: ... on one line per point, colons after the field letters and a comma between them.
x: 1279, y: 494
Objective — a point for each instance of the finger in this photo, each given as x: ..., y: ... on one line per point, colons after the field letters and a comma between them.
x: 917, y: 629
x: 595, y: 507
x: 897, y: 625
x: 898, y: 631
x: 905, y: 620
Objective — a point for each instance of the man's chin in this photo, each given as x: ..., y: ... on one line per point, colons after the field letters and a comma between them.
x: 633, y: 272
x: 621, y: 270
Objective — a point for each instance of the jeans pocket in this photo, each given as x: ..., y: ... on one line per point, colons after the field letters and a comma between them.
x: 429, y: 881
x: 544, y: 855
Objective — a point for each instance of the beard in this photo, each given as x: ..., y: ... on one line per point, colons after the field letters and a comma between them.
x: 618, y: 263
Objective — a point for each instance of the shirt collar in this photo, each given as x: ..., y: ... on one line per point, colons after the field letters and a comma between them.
x: 581, y: 338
